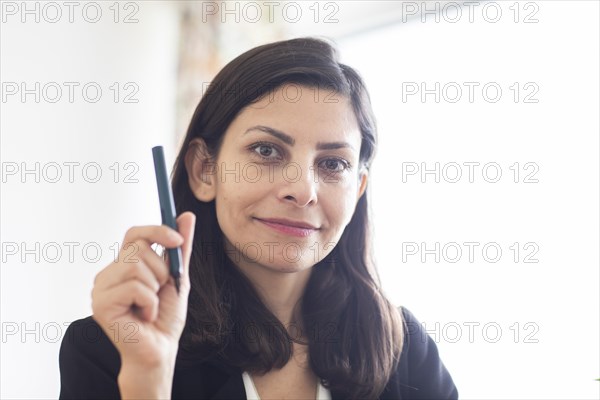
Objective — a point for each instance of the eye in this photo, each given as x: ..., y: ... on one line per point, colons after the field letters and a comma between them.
x: 335, y: 165
x: 265, y: 150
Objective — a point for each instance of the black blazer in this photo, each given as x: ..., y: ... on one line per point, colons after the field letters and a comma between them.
x: 89, y: 367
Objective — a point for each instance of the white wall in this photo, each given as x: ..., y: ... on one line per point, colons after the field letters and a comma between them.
x: 52, y: 294
x: 556, y: 356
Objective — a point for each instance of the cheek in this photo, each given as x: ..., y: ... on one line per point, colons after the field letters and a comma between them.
x: 340, y: 203
x: 237, y: 200
x: 226, y: 203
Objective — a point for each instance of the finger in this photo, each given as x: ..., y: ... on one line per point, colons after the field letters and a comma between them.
x: 140, y: 271
x: 133, y: 294
x: 186, y: 224
x: 157, y: 265
x: 145, y: 265
x: 151, y: 234
x: 136, y: 247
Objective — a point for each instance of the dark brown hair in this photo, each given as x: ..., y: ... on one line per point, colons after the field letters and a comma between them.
x: 355, y: 333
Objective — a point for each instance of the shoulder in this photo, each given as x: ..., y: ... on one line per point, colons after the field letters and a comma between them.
x: 89, y: 362
x: 421, y: 374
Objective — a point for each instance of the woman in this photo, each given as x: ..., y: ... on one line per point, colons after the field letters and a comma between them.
x: 279, y: 296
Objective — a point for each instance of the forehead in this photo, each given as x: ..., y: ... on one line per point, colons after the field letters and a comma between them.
x: 310, y: 113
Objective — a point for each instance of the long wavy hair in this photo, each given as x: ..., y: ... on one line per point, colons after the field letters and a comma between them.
x: 355, y: 333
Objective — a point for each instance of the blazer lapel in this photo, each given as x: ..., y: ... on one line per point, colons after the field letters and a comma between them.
x: 233, y: 388
x: 336, y: 395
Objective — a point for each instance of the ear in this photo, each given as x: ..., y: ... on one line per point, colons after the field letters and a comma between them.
x: 363, y: 178
x: 201, y: 170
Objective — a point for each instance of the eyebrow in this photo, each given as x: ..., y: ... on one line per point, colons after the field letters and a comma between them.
x: 291, y: 141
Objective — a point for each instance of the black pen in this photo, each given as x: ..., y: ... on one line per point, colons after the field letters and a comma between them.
x: 167, y: 210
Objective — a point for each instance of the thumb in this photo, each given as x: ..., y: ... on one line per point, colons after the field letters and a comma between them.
x: 186, y: 224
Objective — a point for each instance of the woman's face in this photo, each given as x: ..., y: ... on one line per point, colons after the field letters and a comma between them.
x: 291, y: 156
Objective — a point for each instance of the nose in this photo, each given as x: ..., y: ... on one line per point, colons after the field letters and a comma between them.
x: 299, y: 185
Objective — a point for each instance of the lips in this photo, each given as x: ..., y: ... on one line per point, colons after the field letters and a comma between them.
x: 288, y: 222
x: 286, y: 226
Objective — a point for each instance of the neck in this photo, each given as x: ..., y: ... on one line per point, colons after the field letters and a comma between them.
x: 281, y: 292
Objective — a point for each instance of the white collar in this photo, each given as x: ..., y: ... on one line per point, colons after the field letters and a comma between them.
x: 252, y: 394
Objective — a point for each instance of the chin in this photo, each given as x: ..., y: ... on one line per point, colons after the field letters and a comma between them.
x: 288, y: 267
